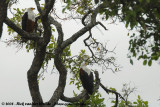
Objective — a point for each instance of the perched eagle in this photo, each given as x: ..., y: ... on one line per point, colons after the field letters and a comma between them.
x: 86, y: 77
x: 28, y: 20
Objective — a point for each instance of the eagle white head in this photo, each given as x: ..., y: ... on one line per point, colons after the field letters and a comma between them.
x: 84, y: 67
x: 31, y: 14
x: 30, y: 9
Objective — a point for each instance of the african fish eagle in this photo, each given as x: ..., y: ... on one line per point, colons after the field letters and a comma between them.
x: 86, y: 77
x: 28, y: 20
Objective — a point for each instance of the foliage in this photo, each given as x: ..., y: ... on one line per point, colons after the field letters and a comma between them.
x: 138, y: 103
x: 145, y: 44
x: 94, y: 101
x: 17, y: 20
x: 140, y: 15
x: 126, y: 91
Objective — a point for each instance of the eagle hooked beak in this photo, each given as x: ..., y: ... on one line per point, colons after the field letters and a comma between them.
x: 32, y: 8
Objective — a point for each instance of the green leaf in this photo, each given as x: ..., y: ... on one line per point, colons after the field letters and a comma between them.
x: 145, y: 56
x: 131, y: 61
x: 134, y: 102
x: 139, y: 57
x: 113, y: 89
x: 72, y: 82
x: 127, y: 23
x: 149, y: 62
x: 148, y: 1
x: 144, y: 62
x: 113, y: 101
x: 96, y: 1
x: 50, y: 45
x: 154, y: 57
x: 116, y: 69
x: 63, y: 10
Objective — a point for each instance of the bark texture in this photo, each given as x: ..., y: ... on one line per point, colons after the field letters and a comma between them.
x: 3, y: 14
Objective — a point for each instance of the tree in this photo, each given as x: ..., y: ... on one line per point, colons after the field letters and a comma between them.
x: 3, y: 13
x: 143, y: 16
x: 48, y: 46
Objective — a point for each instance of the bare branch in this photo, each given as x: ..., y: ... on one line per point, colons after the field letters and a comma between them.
x: 102, y: 25
x: 78, y: 34
x: 114, y: 92
x: 59, y: 29
x: 116, y: 104
x: 38, y: 6
x: 90, y: 35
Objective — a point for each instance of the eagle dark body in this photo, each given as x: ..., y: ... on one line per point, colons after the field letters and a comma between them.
x: 27, y: 24
x: 87, y: 80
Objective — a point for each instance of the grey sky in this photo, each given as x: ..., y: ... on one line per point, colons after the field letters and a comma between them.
x: 14, y: 66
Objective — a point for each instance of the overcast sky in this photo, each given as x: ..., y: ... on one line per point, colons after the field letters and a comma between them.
x: 14, y: 64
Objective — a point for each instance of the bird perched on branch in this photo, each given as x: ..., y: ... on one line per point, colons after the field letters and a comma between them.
x: 28, y: 20
x: 86, y: 77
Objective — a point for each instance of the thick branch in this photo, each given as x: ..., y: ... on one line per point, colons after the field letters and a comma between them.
x: 59, y: 29
x: 47, y: 30
x: 48, y: 6
x: 36, y: 25
x: 38, y: 6
x: 74, y: 99
x: 85, y: 16
x: 62, y: 78
x: 96, y: 11
x: 3, y: 14
x: 78, y: 34
x: 29, y: 36
x: 58, y: 63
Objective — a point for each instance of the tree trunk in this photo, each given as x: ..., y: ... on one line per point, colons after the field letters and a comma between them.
x: 32, y: 76
x: 3, y: 13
